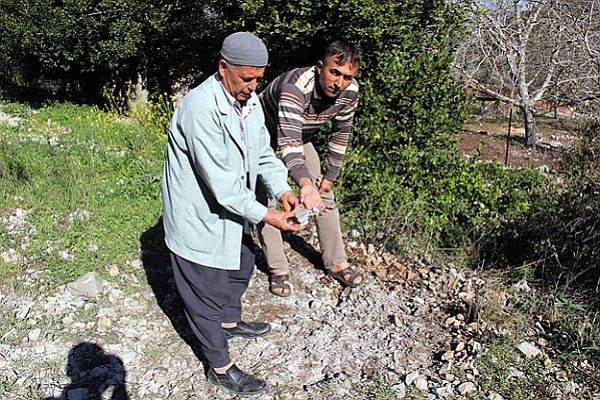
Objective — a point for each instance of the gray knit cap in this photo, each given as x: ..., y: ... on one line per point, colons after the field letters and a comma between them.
x: 243, y: 48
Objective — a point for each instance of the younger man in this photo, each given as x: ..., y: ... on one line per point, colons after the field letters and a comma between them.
x: 296, y: 104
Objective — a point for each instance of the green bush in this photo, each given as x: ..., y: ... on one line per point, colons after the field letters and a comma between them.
x: 402, y: 180
x: 559, y: 235
x: 428, y: 201
x: 73, y: 49
x: 407, y: 94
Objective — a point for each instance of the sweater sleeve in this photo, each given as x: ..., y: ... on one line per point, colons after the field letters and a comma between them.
x: 290, y: 145
x: 339, y: 139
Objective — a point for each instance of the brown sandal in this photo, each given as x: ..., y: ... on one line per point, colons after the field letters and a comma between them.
x: 340, y: 276
x: 278, y: 282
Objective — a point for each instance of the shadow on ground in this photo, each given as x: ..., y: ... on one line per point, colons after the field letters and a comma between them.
x: 157, y: 265
x: 159, y: 274
x: 94, y: 374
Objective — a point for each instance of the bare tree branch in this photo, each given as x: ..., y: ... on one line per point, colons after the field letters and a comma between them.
x: 523, y: 51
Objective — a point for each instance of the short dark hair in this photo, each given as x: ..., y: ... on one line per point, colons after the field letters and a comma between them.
x: 342, y: 52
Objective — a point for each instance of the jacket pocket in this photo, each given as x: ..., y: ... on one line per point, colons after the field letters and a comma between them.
x: 205, y: 229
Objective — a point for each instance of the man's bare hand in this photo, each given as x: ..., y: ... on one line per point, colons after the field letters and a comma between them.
x: 289, y: 200
x: 282, y: 220
x: 309, y: 195
x: 325, y: 185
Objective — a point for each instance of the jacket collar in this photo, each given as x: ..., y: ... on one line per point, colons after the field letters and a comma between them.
x: 225, y: 107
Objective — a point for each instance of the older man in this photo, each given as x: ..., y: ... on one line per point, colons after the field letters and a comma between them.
x: 218, y: 147
x: 296, y: 104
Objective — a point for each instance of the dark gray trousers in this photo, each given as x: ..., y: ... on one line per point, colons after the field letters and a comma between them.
x: 212, y: 296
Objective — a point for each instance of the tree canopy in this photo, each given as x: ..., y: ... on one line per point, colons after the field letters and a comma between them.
x: 73, y: 48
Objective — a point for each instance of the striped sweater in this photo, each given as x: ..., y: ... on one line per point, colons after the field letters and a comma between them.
x: 294, y: 109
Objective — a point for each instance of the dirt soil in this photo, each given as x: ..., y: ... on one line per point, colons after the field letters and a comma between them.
x: 487, y: 139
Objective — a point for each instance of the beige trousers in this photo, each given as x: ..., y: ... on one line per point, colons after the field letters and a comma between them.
x: 328, y: 225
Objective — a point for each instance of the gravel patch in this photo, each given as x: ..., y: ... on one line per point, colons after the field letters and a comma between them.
x: 412, y: 327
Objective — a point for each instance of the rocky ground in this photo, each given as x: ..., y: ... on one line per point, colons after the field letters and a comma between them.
x: 412, y: 330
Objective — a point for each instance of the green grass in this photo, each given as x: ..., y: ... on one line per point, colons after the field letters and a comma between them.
x: 572, y: 336
x: 87, y: 181
x: 6, y: 385
x: 495, y: 368
x: 383, y: 391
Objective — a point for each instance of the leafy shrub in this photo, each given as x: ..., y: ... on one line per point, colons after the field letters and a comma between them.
x: 407, y: 94
x: 72, y: 49
x: 427, y: 201
x: 402, y: 180
x: 559, y: 236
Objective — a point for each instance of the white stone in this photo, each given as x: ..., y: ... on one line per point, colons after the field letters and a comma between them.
x: 23, y: 311
x: 444, y: 391
x: 9, y: 257
x: 421, y: 383
x: 466, y: 387
x: 570, y: 387
x: 400, y: 390
x: 419, y: 301
x: 314, y: 304
x: 410, y: 378
x: 515, y: 373
x: 34, y: 335
x: 64, y: 254
x: 104, y: 323
x: 529, y: 349
x: 445, y: 368
x: 89, y: 285
x: 521, y: 286
x: 113, y: 271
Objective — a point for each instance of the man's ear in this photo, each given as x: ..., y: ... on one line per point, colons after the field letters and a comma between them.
x: 222, y: 67
x: 320, y: 66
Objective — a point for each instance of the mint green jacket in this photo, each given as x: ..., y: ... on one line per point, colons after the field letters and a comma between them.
x: 205, y: 194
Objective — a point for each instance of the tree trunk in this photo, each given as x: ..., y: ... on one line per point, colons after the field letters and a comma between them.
x: 531, y: 138
x: 138, y: 94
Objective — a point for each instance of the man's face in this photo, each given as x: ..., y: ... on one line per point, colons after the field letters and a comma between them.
x: 333, y: 77
x: 240, y: 81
